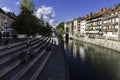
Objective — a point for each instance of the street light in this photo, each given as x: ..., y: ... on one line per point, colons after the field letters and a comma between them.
x: 5, y: 27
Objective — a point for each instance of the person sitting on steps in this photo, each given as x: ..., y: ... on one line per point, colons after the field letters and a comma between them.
x: 23, y: 57
x: 31, y: 52
x: 7, y: 44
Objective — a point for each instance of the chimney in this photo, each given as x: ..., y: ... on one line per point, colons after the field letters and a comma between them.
x: 87, y: 16
x: 115, y: 7
x: 91, y: 14
x: 101, y: 10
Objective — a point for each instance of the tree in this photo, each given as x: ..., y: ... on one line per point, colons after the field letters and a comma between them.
x: 60, y: 27
x: 27, y: 6
x: 46, y: 30
x: 26, y: 22
x: 49, y: 29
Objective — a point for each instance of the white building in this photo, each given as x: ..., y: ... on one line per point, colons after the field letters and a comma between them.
x: 111, y: 23
x: 82, y: 27
x: 75, y: 25
x: 68, y: 26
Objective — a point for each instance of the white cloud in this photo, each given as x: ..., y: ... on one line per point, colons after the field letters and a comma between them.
x: 6, y: 9
x: 48, y: 14
x: 17, y: 3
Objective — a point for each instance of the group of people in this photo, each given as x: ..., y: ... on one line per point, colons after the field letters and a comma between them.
x: 26, y: 55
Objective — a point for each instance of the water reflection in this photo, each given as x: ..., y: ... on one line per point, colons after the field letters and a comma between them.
x: 91, y: 62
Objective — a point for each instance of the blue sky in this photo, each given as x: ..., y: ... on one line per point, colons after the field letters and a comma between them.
x: 62, y: 10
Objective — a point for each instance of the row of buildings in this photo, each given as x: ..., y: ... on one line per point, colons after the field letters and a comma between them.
x: 104, y: 23
x: 6, y: 19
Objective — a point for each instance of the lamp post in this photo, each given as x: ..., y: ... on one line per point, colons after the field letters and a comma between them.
x: 5, y: 27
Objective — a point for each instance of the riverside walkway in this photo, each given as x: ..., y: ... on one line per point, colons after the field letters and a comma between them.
x: 56, y: 67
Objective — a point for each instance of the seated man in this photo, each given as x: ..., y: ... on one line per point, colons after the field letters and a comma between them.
x: 7, y: 44
x: 31, y: 52
x: 23, y: 57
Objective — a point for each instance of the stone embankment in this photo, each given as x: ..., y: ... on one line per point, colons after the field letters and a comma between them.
x: 115, y: 45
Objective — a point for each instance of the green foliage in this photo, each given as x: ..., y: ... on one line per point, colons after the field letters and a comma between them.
x: 27, y: 6
x: 60, y: 27
x: 26, y: 22
x: 47, y: 30
x: 67, y: 29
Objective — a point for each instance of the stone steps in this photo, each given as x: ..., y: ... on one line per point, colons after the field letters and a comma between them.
x: 15, y: 54
x: 11, y: 64
x: 14, y: 47
x: 15, y: 43
x: 6, y: 67
x: 12, y: 53
x: 16, y: 66
x: 35, y: 70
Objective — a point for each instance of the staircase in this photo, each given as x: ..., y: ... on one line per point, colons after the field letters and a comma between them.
x: 11, y: 67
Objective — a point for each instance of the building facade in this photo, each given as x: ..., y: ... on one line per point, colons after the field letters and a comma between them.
x: 102, y: 24
x: 82, y: 28
x: 111, y: 23
x: 75, y: 26
x: 69, y: 28
x: 94, y: 24
x: 6, y: 19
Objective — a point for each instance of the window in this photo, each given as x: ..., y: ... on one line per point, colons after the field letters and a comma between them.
x: 113, y: 27
x: 109, y: 21
x: 2, y: 23
x: 117, y: 19
x: 116, y: 27
x: 113, y: 21
x: 105, y: 21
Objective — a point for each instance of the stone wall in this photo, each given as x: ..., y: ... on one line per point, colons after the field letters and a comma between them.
x: 101, y: 42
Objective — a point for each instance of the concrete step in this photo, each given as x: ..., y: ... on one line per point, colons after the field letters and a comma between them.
x: 11, y: 41
x: 7, y: 69
x: 35, y: 70
x: 15, y: 47
x: 16, y: 43
x: 32, y: 73
x: 15, y: 53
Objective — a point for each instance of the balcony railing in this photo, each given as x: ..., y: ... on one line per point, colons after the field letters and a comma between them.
x: 109, y: 30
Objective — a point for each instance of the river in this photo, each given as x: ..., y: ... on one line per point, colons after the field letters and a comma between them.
x: 91, y: 62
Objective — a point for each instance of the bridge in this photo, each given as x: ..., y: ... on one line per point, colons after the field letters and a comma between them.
x: 67, y: 34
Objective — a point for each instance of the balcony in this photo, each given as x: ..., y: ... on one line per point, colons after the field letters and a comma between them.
x: 109, y: 30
